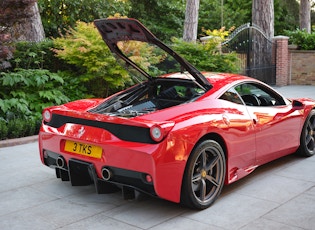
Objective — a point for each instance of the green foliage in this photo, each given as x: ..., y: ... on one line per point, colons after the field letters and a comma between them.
x: 60, y: 15
x: 18, y: 127
x: 40, y: 55
x: 206, y: 56
x: 27, y: 92
x: 238, y: 12
x: 3, y: 129
x: 84, y: 48
x: 37, y: 55
x: 101, y: 74
x: 164, y: 18
x: 72, y: 87
x: 302, y: 39
x: 286, y: 15
x: 234, y: 13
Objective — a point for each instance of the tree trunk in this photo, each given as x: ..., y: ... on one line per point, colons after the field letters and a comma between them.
x: 305, y: 15
x: 263, y: 16
x: 191, y: 20
x: 19, y: 21
x: 29, y: 28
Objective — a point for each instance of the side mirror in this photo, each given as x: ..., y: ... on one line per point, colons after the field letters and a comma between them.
x: 297, y: 105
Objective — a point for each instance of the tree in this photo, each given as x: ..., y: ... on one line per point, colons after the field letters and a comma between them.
x: 58, y: 16
x: 191, y: 20
x: 163, y: 18
x: 239, y: 12
x: 263, y: 16
x: 305, y: 15
x: 286, y: 16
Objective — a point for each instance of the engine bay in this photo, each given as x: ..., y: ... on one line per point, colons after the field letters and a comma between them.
x: 149, y: 97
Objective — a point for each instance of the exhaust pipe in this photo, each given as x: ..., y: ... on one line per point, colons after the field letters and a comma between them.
x: 106, y: 174
x: 60, y: 162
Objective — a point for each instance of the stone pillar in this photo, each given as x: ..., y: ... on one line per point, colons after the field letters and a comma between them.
x: 282, y: 60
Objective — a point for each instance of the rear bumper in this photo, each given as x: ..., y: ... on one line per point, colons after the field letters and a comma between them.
x: 156, y: 169
x: 81, y: 173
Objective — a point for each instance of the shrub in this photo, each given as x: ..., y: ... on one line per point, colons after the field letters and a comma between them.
x: 304, y: 40
x: 27, y: 92
x: 18, y: 127
x: 73, y: 87
x: 84, y: 48
x: 102, y: 75
x: 40, y: 55
x: 37, y: 55
x: 3, y: 129
x: 206, y: 56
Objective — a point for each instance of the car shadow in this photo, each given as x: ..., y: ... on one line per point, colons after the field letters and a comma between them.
x: 262, y: 171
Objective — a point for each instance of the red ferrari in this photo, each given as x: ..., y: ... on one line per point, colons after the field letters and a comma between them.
x: 178, y: 134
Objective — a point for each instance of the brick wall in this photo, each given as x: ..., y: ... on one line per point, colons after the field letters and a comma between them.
x: 301, y: 67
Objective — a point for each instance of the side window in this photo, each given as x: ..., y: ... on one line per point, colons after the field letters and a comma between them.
x: 232, y: 96
x: 258, y: 95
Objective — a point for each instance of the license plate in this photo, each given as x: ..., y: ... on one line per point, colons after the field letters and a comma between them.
x: 83, y: 149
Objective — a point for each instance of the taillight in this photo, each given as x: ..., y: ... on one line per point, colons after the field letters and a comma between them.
x: 159, y: 131
x: 156, y: 133
x: 47, y: 115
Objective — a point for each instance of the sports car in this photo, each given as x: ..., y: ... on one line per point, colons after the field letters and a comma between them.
x: 178, y: 134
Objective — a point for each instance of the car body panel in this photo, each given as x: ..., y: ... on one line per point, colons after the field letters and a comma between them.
x: 276, y: 131
x: 123, y: 29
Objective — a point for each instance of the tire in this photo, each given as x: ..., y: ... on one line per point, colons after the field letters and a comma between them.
x: 205, y: 171
x: 307, y: 141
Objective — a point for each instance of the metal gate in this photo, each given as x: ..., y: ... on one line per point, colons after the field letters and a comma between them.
x: 255, y: 51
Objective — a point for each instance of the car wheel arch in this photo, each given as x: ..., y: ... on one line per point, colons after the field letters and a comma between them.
x: 216, y: 137
x: 209, y: 138
x: 307, y: 130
